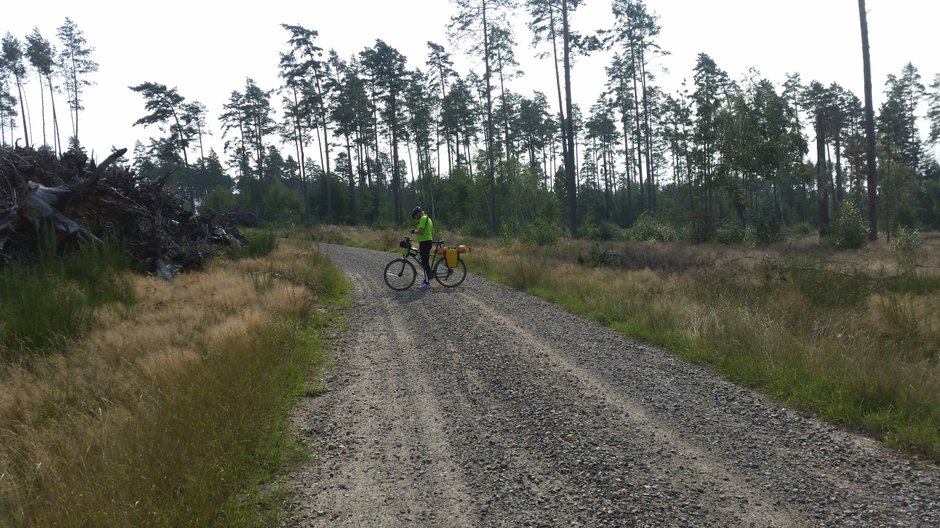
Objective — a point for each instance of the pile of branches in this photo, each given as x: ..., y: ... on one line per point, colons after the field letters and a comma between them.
x: 86, y: 202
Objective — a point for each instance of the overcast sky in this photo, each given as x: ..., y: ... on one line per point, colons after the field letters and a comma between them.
x: 207, y: 52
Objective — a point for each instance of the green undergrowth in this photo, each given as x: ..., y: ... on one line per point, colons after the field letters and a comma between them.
x: 47, y: 302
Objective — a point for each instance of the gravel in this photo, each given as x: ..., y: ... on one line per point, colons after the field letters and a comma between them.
x: 484, y: 406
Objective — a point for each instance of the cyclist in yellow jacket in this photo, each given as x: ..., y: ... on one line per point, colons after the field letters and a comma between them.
x: 424, y: 239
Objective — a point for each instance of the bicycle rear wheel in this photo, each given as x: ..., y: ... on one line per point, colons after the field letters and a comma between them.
x: 450, y: 277
x: 400, y: 274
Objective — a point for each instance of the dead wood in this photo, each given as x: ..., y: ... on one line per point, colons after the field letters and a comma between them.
x: 85, y: 202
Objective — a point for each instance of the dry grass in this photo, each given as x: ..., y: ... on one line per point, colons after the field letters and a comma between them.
x: 131, y: 425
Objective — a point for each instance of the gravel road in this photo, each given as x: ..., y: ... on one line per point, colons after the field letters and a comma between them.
x: 484, y: 406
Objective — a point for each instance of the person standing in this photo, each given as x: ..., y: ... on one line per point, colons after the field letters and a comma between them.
x: 424, y: 237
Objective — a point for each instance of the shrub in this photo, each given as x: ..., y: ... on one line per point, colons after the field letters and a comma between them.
x: 603, y: 230
x: 541, y: 233
x: 507, y: 234
x: 730, y: 232
x: 849, y: 231
x: 907, y: 240
x: 648, y: 228
x: 258, y: 243
x: 765, y: 230
x: 606, y: 230
x: 478, y: 228
x: 905, y: 246
x: 699, y: 230
x: 799, y: 230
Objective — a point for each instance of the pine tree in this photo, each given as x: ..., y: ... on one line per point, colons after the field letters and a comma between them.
x: 387, y: 68
x: 869, y: 127
x: 76, y: 64
x: 42, y: 57
x: 11, y: 60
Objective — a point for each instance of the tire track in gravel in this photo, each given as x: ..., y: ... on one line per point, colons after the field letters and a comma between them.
x: 484, y: 406
x: 809, y: 466
x: 385, y: 462
x: 704, y: 471
x: 698, y: 457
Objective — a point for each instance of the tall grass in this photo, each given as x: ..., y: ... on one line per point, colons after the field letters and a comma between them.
x: 850, y: 338
x: 46, y: 303
x: 258, y: 243
x: 172, y: 412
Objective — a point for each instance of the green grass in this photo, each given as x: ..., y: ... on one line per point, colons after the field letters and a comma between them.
x: 46, y: 303
x: 825, y: 288
x: 258, y: 243
x: 210, y: 443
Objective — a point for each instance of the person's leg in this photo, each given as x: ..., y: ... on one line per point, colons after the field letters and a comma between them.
x: 425, y: 249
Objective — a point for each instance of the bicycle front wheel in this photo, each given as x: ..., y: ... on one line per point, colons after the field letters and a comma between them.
x: 450, y: 277
x: 400, y: 274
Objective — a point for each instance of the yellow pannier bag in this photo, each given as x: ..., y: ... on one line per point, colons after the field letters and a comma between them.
x: 450, y: 257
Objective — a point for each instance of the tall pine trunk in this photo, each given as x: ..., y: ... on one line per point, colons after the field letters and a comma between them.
x: 57, y: 137
x: 869, y: 129
x: 561, y: 103
x: 648, y: 137
x: 42, y: 107
x: 571, y: 186
x: 491, y: 164
x: 19, y: 89
x: 396, y: 173
x: 298, y: 125
x: 822, y: 178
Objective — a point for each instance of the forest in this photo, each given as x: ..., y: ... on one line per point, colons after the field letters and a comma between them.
x: 359, y: 140
x: 127, y: 395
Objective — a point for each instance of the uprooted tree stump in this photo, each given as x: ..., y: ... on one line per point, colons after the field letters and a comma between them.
x: 88, y: 203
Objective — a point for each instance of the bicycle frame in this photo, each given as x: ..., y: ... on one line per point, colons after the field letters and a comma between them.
x: 415, y: 255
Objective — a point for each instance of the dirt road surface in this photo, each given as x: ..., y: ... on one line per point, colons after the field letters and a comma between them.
x: 484, y: 406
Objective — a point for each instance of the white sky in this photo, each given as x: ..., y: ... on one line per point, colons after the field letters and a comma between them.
x: 207, y: 52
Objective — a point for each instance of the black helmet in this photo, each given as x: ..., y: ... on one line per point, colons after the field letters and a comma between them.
x: 416, y: 211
